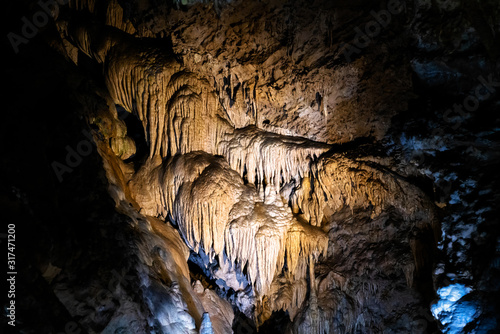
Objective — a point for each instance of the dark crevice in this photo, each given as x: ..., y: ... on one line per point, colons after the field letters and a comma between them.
x: 135, y: 131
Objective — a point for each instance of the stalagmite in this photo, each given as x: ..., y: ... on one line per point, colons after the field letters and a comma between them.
x: 206, y: 325
x: 313, y: 298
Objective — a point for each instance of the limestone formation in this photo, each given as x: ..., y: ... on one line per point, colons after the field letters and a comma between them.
x: 265, y: 175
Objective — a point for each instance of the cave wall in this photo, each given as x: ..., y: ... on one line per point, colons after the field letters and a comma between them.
x: 227, y: 166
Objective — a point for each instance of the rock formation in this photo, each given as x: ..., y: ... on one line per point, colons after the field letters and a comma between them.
x: 260, y: 166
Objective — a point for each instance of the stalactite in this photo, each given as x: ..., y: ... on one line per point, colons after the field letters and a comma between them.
x: 339, y: 181
x: 217, y: 212
x: 288, y: 295
x: 325, y: 108
x: 82, y: 5
x: 178, y: 112
x: 198, y: 164
x: 409, y: 270
x: 303, y: 241
x: 268, y: 158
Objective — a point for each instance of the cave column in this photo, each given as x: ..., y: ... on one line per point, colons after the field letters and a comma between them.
x: 313, y: 297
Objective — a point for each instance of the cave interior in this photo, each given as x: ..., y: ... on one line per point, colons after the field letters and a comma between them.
x: 230, y: 166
